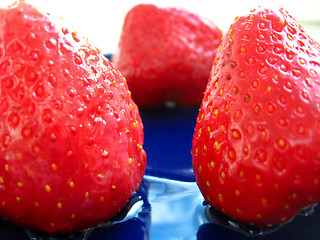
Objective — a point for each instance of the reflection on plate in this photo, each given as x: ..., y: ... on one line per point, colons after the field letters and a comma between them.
x: 169, y: 204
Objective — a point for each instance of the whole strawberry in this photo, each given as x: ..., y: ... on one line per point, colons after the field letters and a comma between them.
x: 256, y: 153
x: 71, y: 136
x: 166, y: 55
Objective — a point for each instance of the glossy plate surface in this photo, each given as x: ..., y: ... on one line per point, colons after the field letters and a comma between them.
x: 169, y: 205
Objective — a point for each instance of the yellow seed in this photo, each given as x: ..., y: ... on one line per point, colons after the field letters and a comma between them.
x: 54, y: 166
x: 223, y: 175
x: 208, y: 184
x: 71, y: 184
x: 59, y: 205
x: 104, y: 153
x: 205, y: 148
x: 259, y: 215
x: 230, y: 32
x: 286, y: 206
x: 200, y: 168
x: 216, y: 112
x: 47, y: 188
x: 281, y: 143
x: 20, y: 184
x: 18, y: 199
x: 269, y: 89
x: 246, y: 150
x: 197, y: 150
x: 200, y: 131
x: 212, y: 164
x: 241, y: 174
x: 231, y: 154
x: 235, y: 134
x: 101, y: 199
x: 36, y: 204
x: 73, y: 216
x: 19, y: 156
x: 258, y: 177
x: 302, y: 61
x: 238, y: 210
x: 283, y: 219
x: 209, y: 129
x: 6, y: 167
x: 113, y: 187
x: 1, y: 180
x: 130, y: 161
x: 217, y: 146
x: 294, y: 195
x: 237, y: 193
x: 220, y: 196
x: 243, y: 49
x: 86, y: 195
x: 227, y: 106
x: 263, y: 200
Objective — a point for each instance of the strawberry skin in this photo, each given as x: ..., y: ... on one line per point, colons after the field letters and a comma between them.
x: 256, y: 154
x: 71, y: 136
x: 166, y: 55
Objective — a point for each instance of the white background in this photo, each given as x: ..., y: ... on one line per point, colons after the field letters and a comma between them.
x: 100, y: 20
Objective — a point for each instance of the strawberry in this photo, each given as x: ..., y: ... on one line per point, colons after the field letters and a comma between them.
x: 71, y: 136
x: 256, y: 154
x: 166, y: 55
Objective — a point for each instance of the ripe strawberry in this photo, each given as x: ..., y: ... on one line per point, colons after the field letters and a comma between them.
x: 256, y: 152
x: 166, y: 55
x: 71, y: 136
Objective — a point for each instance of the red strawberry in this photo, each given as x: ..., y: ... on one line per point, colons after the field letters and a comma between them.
x: 71, y: 136
x: 256, y: 153
x: 166, y: 55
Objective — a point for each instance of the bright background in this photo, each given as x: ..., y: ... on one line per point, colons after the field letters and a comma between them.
x: 100, y: 20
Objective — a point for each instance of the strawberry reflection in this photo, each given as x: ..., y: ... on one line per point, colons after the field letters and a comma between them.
x: 220, y: 227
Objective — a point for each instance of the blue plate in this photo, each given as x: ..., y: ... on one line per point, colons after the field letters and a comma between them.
x: 169, y: 204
